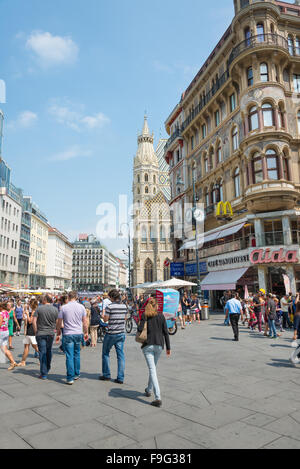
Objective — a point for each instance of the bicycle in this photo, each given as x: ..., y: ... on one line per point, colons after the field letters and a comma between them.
x: 102, y: 329
x: 133, y: 317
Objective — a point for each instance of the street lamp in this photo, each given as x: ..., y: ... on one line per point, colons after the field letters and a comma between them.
x: 129, y: 250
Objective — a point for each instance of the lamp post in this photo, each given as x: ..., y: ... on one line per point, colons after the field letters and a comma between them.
x: 195, y: 217
x: 129, y: 250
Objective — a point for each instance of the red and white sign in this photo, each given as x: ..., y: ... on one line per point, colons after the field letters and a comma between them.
x: 166, y: 263
x: 267, y: 256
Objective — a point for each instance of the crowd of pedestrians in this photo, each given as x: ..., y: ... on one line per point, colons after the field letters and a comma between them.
x: 265, y: 313
x: 73, y: 323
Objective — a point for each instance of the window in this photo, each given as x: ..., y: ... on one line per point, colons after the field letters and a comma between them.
x: 257, y: 168
x: 268, y: 115
x: 260, y: 31
x: 206, y: 197
x: 297, y: 49
x: 250, y: 76
x: 146, y: 178
x: 203, y: 131
x: 192, y: 143
x: 291, y: 45
x: 154, y: 179
x: 232, y: 102
x: 217, y: 118
x: 247, y: 36
x: 264, y: 72
x: 236, y: 182
x: 146, y: 190
x: 206, y: 161
x: 162, y: 233
x: 219, y: 154
x: 272, y: 165
x: 253, y: 118
x: 210, y: 160
x: 144, y: 234
x: 148, y: 273
x: 152, y: 234
x: 235, y: 139
x: 296, y: 79
x: 298, y: 120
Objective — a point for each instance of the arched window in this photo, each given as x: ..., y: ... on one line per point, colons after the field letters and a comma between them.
x: 260, y: 31
x: 298, y: 120
x: 154, y: 179
x: 146, y: 178
x: 264, y: 72
x: 235, y: 139
x: 250, y: 76
x: 297, y: 48
x: 247, y: 36
x: 219, y: 153
x: 206, y: 170
x: 268, y: 115
x: 286, y: 173
x: 253, y: 118
x: 211, y: 160
x: 206, y: 197
x: 138, y: 179
x: 281, y: 116
x: 138, y: 191
x: 162, y: 233
x: 272, y: 164
x: 148, y: 272
x: 146, y: 190
x: 144, y: 234
x: 220, y: 194
x: 291, y: 45
x: 237, y: 182
x: 153, y: 236
x: 257, y: 167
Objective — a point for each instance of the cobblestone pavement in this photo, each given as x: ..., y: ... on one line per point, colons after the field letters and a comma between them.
x: 216, y: 394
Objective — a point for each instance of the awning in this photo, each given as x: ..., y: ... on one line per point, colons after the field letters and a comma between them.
x: 223, y: 280
x: 231, y: 231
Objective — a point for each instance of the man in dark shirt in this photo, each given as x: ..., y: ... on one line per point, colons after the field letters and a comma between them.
x: 44, y: 324
x: 271, y: 317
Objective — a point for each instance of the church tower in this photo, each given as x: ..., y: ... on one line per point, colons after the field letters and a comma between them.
x: 152, y: 250
x: 146, y: 170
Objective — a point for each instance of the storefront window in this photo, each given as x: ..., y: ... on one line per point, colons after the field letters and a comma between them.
x: 273, y: 233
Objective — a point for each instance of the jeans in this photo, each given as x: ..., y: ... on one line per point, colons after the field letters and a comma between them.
x: 71, y: 346
x: 117, y: 341
x: 272, y: 327
x: 152, y: 354
x: 45, y: 343
x: 286, y: 322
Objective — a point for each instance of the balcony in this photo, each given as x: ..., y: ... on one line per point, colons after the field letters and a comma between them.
x: 271, y: 196
x: 174, y: 136
x: 261, y: 41
x: 207, y: 98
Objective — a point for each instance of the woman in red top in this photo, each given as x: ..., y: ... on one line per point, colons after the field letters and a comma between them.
x: 4, y: 335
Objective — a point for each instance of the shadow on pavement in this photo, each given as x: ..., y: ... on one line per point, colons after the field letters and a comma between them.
x: 127, y: 394
x: 221, y: 338
x: 281, y: 363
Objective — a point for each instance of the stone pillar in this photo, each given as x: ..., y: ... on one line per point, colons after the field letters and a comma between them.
x: 250, y: 173
x: 276, y: 118
x: 264, y: 166
x: 287, y: 233
x: 259, y: 232
x: 280, y: 166
x: 291, y: 275
x: 263, y: 277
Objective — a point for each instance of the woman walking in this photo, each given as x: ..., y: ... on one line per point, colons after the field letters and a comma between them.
x: 157, y: 335
x: 19, y: 312
x: 95, y: 322
x: 12, y: 321
x: 4, y: 334
x: 29, y: 333
x: 195, y: 308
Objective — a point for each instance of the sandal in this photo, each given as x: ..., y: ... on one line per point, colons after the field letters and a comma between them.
x: 21, y: 364
x: 12, y: 366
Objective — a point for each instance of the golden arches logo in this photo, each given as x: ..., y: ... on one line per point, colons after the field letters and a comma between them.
x: 224, y: 209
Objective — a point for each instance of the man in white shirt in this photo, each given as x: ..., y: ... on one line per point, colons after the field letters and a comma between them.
x: 285, y: 303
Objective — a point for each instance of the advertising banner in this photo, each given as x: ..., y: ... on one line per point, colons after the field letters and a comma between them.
x: 168, y: 302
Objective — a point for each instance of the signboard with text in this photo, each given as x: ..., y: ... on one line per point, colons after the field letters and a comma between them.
x: 177, y: 269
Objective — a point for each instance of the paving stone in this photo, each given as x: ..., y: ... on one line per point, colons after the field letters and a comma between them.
x: 173, y: 441
x: 13, y: 420
x: 35, y: 429
x: 69, y: 437
x: 284, y: 443
x: 10, y: 440
x: 259, y: 420
x: 238, y: 435
x: 286, y: 426
x: 117, y: 441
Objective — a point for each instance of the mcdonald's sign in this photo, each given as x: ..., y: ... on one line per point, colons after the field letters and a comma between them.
x: 224, y: 211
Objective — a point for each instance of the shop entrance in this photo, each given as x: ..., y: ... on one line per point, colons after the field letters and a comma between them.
x: 275, y: 281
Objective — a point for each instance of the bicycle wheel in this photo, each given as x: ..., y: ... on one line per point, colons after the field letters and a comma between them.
x: 129, y: 325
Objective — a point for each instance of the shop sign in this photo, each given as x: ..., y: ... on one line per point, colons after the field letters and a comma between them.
x: 191, y: 269
x: 267, y: 256
x: 177, y: 269
x: 224, y: 211
x: 240, y: 259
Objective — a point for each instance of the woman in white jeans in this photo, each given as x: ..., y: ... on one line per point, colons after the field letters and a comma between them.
x: 157, y: 337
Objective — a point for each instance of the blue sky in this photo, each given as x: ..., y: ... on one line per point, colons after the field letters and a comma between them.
x: 79, y: 76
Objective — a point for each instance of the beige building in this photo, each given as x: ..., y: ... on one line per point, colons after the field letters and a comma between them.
x: 38, y: 249
x: 238, y: 124
x: 59, y: 261
x: 152, y: 249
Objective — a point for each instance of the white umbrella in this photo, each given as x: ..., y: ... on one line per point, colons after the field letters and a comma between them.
x: 176, y: 283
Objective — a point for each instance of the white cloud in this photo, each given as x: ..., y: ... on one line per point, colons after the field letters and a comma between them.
x: 52, y: 50
x: 71, y: 153
x: 77, y: 120
x: 24, y: 120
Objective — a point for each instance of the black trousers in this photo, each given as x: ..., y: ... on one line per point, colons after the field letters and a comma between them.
x: 234, y: 321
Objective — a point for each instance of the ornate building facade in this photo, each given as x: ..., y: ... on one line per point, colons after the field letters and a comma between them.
x: 238, y: 124
x: 152, y: 249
